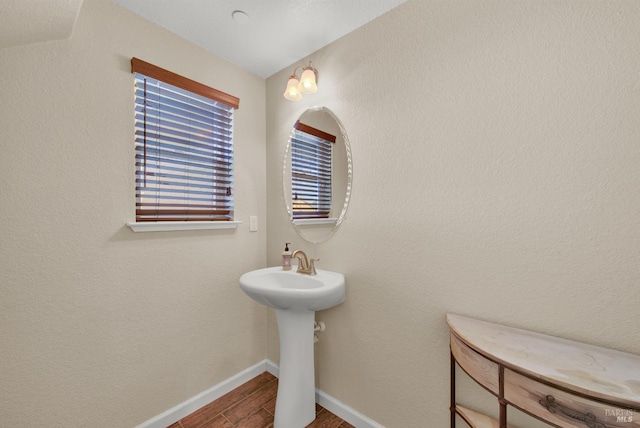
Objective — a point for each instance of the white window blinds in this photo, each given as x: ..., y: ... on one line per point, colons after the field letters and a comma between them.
x: 183, y: 149
x: 311, y: 172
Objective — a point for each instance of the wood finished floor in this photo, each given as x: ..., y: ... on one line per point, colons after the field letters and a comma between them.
x: 251, y: 405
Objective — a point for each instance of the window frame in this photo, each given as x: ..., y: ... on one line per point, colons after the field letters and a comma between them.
x: 184, y: 222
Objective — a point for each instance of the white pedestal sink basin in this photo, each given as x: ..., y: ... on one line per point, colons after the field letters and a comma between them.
x: 295, y: 297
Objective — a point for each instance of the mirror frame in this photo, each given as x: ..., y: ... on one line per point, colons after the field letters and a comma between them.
x: 299, y: 225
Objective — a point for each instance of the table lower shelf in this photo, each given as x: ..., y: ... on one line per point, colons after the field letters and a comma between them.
x: 477, y: 420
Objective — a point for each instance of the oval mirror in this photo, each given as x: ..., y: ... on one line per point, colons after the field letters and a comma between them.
x: 317, y: 174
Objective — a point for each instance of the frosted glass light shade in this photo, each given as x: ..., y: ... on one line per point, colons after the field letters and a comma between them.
x: 292, y: 92
x: 307, y: 83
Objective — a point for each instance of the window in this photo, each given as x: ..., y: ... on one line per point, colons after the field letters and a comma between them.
x: 311, y: 172
x: 183, y: 148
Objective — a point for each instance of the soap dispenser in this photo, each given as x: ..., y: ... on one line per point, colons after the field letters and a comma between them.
x: 286, y: 257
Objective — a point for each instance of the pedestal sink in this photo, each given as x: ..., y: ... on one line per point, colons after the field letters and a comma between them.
x: 295, y: 297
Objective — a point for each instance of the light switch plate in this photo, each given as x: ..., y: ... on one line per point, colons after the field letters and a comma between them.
x: 253, y: 223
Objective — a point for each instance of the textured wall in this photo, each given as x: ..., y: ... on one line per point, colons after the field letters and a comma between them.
x: 496, y: 147
x: 100, y: 326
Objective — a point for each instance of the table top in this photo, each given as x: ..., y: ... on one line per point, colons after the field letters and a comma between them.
x: 595, y: 371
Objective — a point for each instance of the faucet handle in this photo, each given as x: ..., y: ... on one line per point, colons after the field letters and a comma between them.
x: 312, y: 267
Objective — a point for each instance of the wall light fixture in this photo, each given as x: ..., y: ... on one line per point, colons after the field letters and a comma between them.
x: 306, y: 84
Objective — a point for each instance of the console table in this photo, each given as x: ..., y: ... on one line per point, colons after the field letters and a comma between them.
x: 561, y: 382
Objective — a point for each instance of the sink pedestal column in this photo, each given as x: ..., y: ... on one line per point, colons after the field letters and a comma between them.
x: 296, y: 401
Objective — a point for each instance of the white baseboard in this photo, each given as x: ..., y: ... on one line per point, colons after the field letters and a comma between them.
x: 272, y: 368
x: 345, y: 412
x: 178, y: 412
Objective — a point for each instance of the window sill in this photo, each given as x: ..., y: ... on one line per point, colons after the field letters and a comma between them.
x: 166, y: 226
x: 313, y: 221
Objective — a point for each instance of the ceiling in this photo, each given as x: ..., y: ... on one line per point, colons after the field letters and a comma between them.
x: 276, y: 33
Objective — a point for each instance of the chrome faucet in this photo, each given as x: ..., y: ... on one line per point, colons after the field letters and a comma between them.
x: 305, y: 265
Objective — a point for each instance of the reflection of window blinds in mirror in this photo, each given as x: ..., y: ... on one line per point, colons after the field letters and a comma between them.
x: 311, y: 172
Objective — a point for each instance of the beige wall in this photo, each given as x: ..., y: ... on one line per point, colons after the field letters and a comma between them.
x: 496, y: 147
x: 100, y: 326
